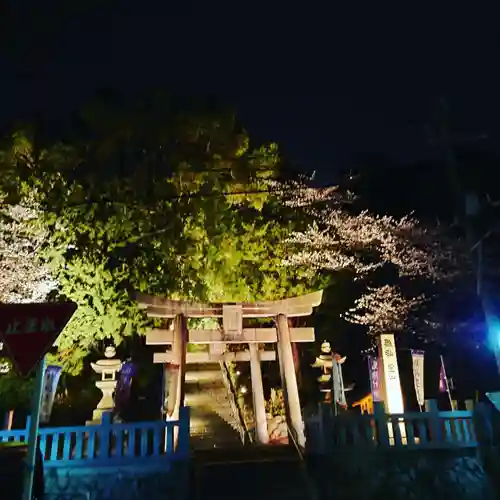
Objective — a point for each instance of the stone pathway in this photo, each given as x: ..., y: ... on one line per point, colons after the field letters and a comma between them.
x: 212, y: 421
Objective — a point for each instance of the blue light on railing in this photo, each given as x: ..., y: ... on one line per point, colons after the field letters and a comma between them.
x: 108, y: 443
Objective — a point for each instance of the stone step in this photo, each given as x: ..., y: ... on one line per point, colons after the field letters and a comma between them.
x: 247, y: 454
x: 212, y: 418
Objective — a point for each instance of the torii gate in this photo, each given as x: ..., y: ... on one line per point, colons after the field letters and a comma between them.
x: 232, y: 332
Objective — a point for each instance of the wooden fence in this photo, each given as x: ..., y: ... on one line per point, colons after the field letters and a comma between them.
x: 425, y: 430
x: 109, y: 444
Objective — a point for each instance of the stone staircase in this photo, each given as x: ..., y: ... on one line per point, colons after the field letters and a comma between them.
x: 221, y: 467
x: 213, y: 424
x: 251, y: 473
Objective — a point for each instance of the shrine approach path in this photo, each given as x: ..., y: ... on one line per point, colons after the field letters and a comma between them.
x: 213, y: 424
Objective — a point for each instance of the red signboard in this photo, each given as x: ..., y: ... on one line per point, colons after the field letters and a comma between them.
x: 28, y: 331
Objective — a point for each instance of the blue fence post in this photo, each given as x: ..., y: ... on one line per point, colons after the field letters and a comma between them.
x: 483, y: 424
x: 434, y: 420
x: 381, y: 423
x: 103, y: 432
x: 483, y: 432
x: 27, y: 427
x: 184, y: 430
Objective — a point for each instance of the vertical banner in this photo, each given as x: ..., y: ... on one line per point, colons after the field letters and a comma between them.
x: 443, y: 382
x: 442, y: 377
x: 164, y: 391
x: 338, y: 384
x: 50, y: 381
x: 418, y: 375
x: 296, y: 363
x: 393, y: 397
x: 122, y: 392
x: 373, y: 372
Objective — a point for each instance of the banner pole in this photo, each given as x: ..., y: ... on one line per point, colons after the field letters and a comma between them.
x: 446, y: 382
x: 29, y: 473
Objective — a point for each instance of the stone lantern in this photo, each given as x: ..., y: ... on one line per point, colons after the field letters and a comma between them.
x: 108, y: 369
x: 331, y: 382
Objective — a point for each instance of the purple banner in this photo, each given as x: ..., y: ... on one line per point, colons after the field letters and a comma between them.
x: 373, y: 372
x: 122, y: 392
x: 443, y: 386
x: 51, y: 379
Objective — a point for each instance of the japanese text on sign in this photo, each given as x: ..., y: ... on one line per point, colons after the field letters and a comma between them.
x: 418, y: 375
x: 393, y: 395
x: 30, y: 325
x: 373, y: 368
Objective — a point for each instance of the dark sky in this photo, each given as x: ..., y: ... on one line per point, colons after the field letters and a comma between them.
x: 326, y: 84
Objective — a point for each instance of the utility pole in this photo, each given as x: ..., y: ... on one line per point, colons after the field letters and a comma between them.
x: 467, y: 208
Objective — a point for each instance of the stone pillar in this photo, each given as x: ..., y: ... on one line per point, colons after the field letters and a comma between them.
x: 177, y: 375
x: 179, y: 355
x: 292, y: 399
x: 177, y: 369
x: 259, y: 404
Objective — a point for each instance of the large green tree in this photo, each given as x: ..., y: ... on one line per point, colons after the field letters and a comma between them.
x: 152, y: 198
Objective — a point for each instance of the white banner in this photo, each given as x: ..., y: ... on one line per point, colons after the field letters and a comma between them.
x: 338, y: 383
x: 393, y: 397
x: 418, y: 375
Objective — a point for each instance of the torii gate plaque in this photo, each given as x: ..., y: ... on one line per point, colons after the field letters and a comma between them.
x: 233, y: 332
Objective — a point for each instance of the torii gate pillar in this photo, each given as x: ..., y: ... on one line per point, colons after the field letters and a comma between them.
x: 292, y: 399
x: 177, y: 369
x: 259, y: 403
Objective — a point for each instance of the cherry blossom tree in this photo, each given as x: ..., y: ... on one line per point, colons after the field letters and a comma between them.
x: 399, y: 261
x: 23, y: 278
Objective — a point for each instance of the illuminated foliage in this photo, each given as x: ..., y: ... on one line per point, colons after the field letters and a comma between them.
x: 149, y: 199
x: 15, y: 392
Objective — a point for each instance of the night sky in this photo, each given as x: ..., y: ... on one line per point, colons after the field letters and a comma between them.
x: 327, y: 85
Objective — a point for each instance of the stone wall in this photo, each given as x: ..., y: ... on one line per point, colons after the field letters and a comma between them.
x: 402, y: 475
x: 165, y: 481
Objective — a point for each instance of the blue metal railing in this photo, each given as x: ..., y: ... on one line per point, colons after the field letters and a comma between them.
x: 422, y: 430
x: 108, y: 443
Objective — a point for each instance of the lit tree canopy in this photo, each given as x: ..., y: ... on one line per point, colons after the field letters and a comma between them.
x: 154, y: 200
